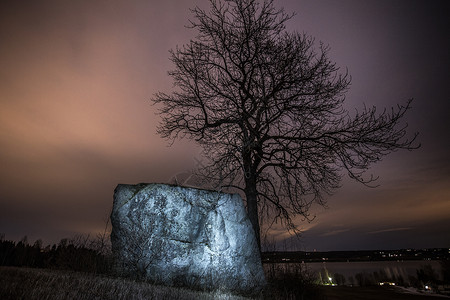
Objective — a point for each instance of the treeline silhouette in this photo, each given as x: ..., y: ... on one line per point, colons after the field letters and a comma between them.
x: 76, y: 254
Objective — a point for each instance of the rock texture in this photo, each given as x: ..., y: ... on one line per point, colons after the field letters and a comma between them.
x: 184, y: 236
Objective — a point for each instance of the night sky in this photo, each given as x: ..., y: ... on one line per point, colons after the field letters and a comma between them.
x: 76, y: 119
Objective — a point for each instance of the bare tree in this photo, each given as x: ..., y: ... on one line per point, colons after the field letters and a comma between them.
x: 266, y: 105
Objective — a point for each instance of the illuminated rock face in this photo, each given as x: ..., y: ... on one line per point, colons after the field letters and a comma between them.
x: 184, y: 236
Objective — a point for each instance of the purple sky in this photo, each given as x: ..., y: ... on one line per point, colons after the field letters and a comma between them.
x: 76, y: 78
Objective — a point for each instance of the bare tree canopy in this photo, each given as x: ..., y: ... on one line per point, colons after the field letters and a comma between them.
x: 266, y: 105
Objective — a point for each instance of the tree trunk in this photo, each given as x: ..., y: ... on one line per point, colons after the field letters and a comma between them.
x: 252, y: 205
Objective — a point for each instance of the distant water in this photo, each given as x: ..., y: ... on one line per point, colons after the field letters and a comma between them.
x: 391, y: 268
x: 394, y: 268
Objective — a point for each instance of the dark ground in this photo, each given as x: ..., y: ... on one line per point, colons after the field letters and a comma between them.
x: 372, y: 293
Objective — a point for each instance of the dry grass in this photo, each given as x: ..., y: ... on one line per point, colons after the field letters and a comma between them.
x: 25, y: 283
x: 285, y: 283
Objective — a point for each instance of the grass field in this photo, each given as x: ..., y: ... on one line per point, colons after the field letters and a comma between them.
x: 46, y: 284
x: 42, y: 284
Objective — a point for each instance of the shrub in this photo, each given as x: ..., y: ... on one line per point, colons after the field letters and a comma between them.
x: 290, y: 281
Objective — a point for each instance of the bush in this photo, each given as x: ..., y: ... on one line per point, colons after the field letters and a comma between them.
x: 290, y: 281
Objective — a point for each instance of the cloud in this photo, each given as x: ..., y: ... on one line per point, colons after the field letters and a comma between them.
x: 75, y: 115
x: 390, y: 230
x: 334, y: 232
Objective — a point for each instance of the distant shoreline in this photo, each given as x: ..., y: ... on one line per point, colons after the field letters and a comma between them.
x: 431, y: 254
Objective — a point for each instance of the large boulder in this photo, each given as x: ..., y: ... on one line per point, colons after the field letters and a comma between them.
x: 185, y: 237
